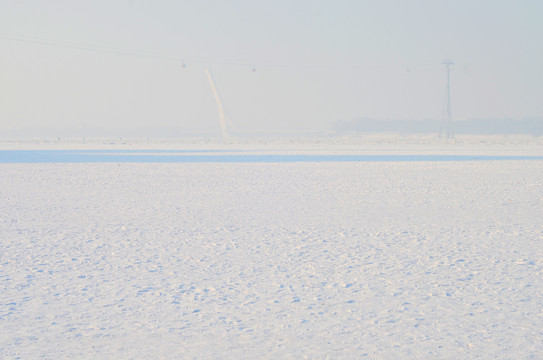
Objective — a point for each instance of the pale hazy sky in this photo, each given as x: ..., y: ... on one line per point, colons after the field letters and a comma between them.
x: 119, y: 64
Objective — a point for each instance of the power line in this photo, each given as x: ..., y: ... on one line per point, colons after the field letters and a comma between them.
x: 187, y: 60
x: 79, y: 46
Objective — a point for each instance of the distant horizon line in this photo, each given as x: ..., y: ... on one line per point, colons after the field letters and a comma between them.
x: 475, y: 126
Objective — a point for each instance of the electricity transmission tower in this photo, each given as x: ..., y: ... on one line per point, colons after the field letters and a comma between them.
x: 222, y: 115
x: 446, y: 117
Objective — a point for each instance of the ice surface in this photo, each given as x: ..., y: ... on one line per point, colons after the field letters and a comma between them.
x: 392, y: 260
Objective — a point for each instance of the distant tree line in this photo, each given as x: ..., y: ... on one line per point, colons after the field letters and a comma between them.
x: 491, y: 126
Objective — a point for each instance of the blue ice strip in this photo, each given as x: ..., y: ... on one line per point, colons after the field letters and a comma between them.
x: 211, y: 156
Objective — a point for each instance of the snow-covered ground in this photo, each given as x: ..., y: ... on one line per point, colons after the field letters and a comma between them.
x: 392, y: 260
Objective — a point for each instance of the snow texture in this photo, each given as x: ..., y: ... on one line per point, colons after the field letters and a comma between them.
x: 397, y: 260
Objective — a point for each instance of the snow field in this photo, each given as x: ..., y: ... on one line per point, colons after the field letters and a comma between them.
x: 308, y: 260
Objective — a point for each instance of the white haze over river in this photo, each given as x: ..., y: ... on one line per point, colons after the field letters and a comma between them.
x: 274, y: 260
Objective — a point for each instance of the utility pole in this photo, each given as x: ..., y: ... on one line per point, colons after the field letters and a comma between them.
x: 446, y: 117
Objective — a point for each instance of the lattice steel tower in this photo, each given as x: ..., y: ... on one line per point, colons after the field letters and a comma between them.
x: 446, y: 117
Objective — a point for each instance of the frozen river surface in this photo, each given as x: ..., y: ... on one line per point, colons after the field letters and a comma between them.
x: 280, y: 260
x: 227, y: 156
